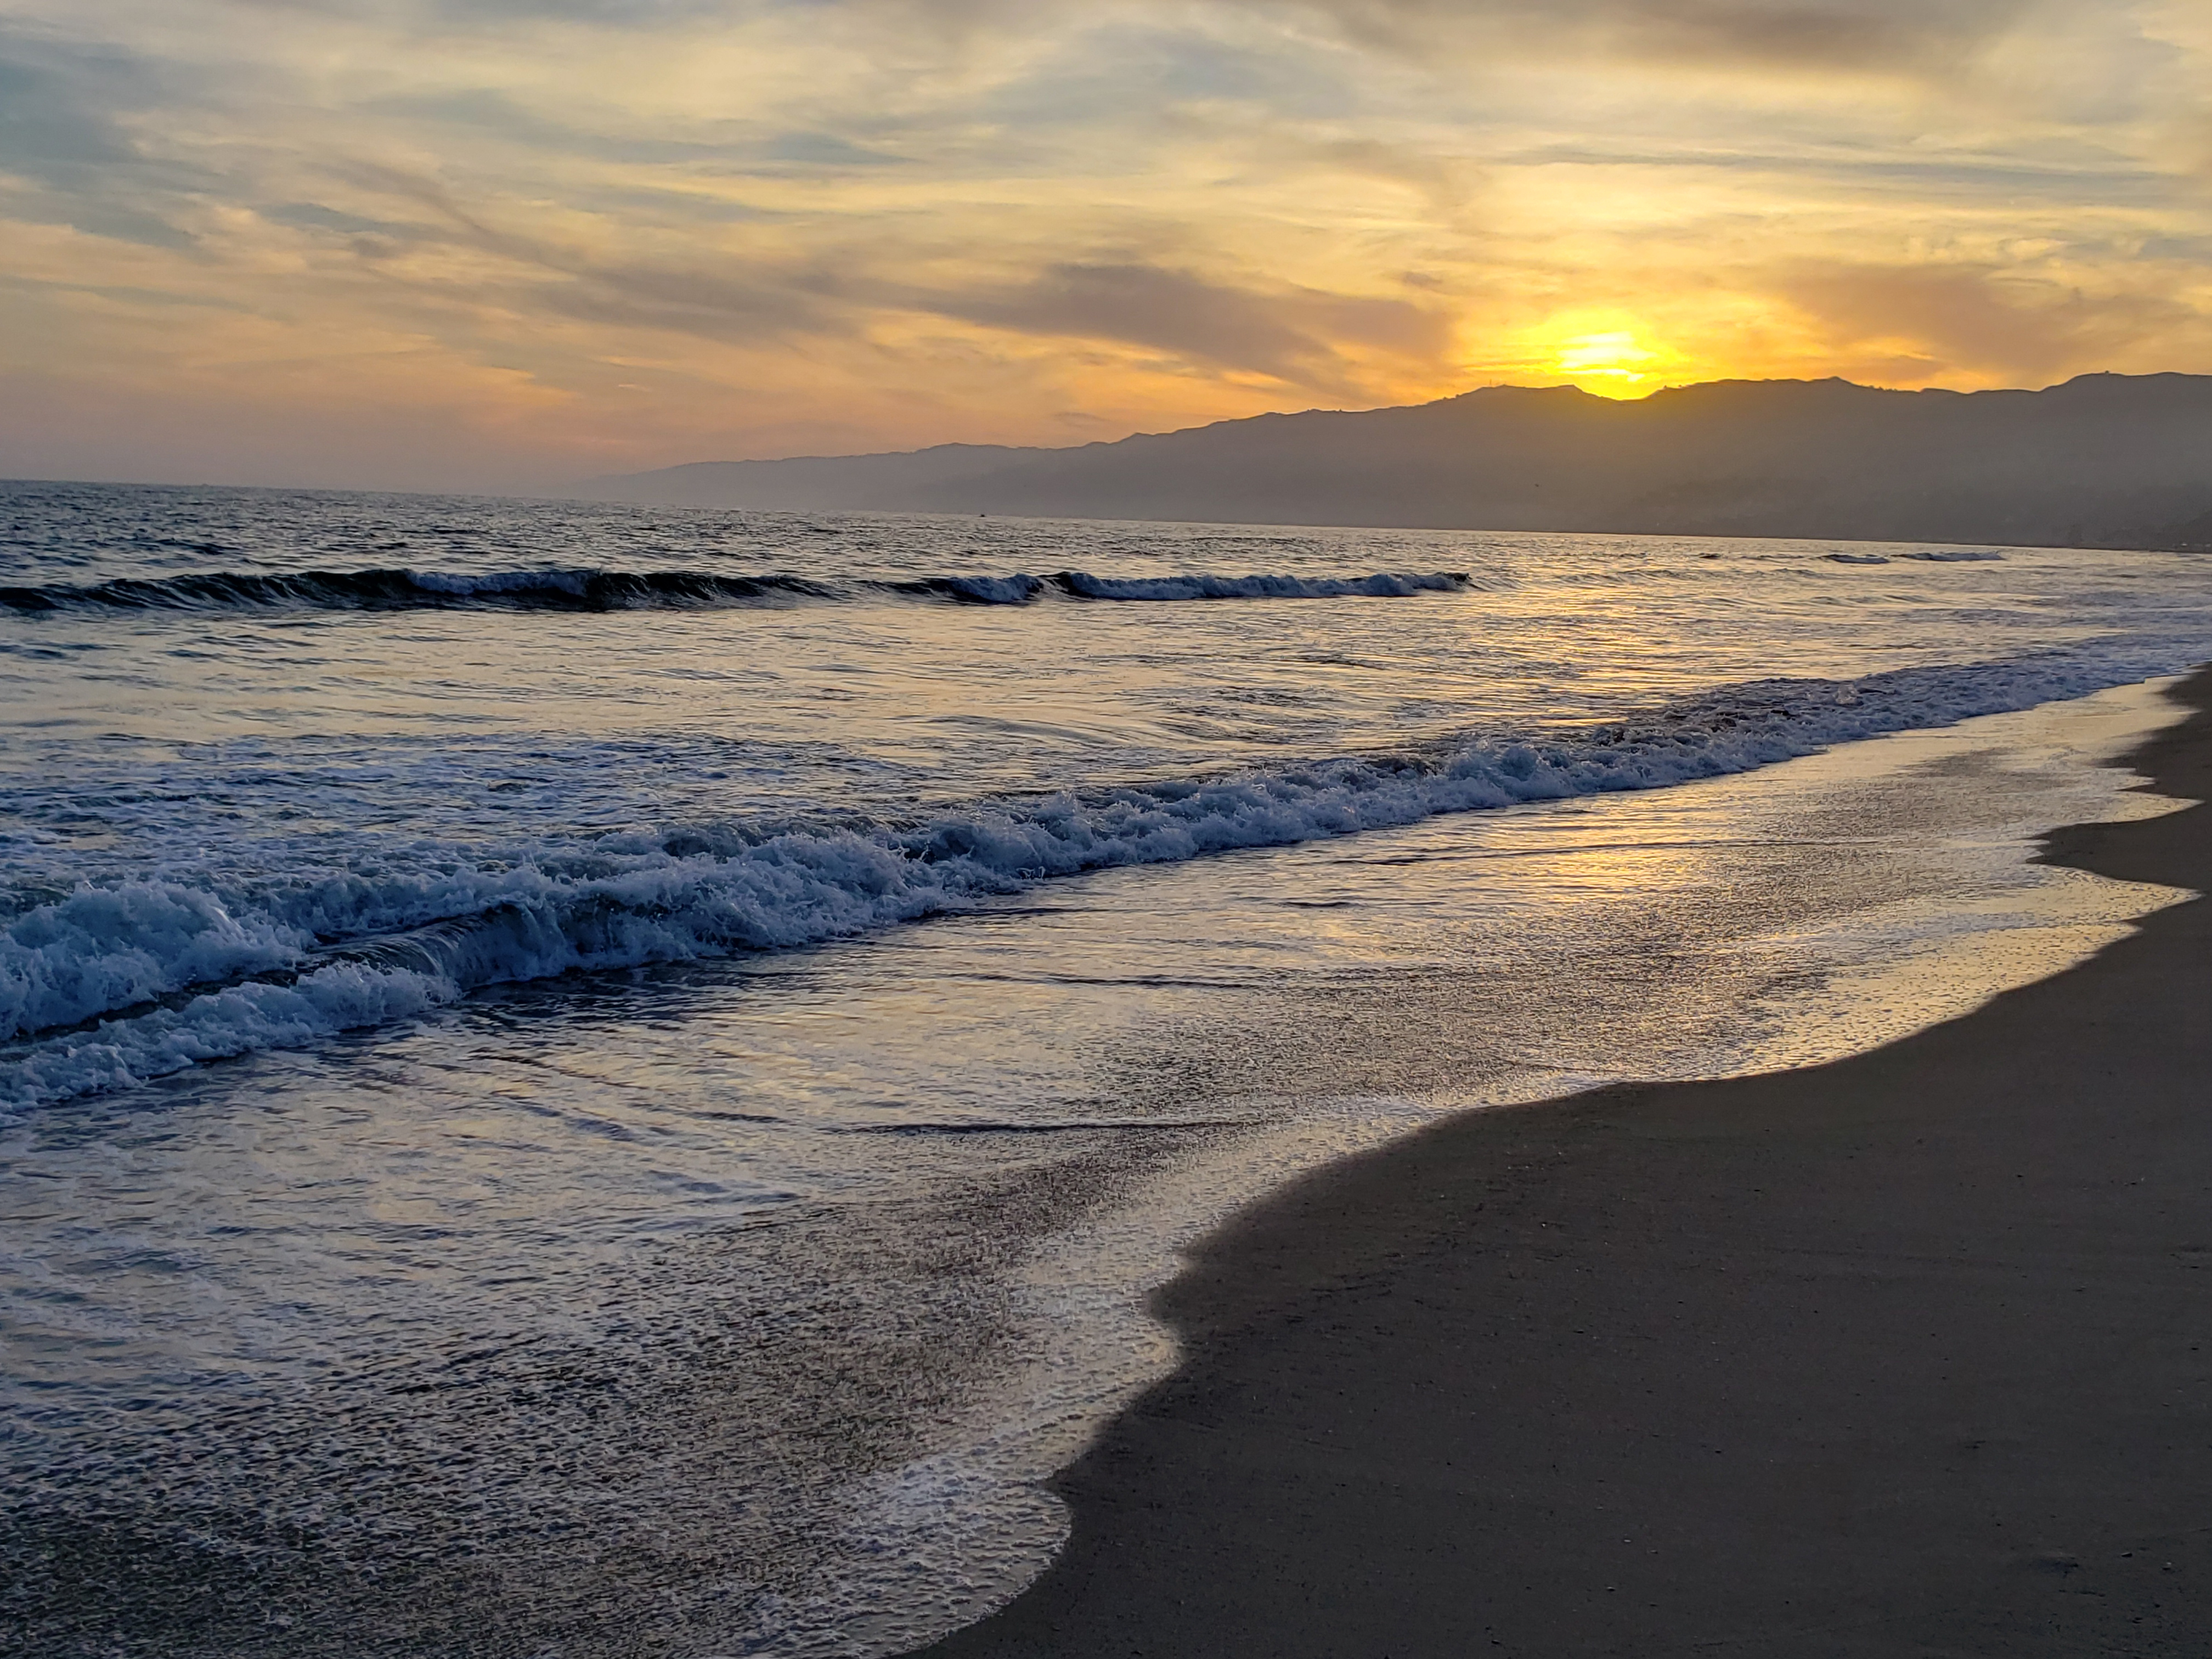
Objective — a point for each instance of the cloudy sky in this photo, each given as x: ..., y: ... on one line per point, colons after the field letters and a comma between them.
x: 494, y: 243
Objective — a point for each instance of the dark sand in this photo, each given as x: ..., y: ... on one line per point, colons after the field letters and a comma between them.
x: 1907, y: 1355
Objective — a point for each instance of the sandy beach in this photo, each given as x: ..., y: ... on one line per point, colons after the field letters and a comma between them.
x: 1904, y: 1355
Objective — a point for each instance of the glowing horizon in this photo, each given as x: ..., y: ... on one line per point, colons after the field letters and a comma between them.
x: 484, y: 243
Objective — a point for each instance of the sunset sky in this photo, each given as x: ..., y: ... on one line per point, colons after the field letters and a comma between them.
x: 503, y: 243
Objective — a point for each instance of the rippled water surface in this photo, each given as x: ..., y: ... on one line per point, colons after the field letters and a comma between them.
x: 585, y: 1080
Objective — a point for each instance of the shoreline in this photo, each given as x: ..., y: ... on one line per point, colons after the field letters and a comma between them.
x: 1898, y: 1354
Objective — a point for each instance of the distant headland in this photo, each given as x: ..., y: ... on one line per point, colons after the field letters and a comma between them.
x: 2103, y: 461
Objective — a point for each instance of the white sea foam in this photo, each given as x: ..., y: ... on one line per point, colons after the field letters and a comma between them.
x: 104, y: 948
x: 319, y: 952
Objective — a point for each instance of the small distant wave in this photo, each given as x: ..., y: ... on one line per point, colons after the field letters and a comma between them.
x: 407, y: 590
x: 1929, y: 556
x: 597, y: 590
x: 110, y: 986
x: 1380, y: 586
x: 968, y: 590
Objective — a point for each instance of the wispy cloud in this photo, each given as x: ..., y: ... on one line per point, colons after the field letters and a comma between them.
x: 1972, y: 321
x: 1296, y: 335
x: 564, y: 235
x: 1888, y: 36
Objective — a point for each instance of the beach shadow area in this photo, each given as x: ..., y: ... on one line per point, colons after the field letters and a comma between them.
x: 1907, y: 1355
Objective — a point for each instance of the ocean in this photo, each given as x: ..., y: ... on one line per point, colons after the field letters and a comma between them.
x: 588, y: 1080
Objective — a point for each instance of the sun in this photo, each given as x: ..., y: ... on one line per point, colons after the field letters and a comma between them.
x: 1610, y: 353
x: 1613, y: 362
x: 1615, y: 351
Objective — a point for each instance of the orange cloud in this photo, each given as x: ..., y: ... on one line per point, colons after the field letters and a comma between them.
x: 509, y: 242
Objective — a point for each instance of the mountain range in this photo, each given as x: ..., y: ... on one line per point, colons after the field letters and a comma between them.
x: 2106, y: 460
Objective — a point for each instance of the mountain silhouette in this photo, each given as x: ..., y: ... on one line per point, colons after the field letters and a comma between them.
x: 2105, y: 460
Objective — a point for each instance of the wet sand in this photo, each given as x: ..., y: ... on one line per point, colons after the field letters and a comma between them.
x: 1910, y: 1354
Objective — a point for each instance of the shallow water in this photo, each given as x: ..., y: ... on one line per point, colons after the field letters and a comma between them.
x: 723, y: 1300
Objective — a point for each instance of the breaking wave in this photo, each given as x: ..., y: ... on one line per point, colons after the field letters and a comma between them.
x: 112, y: 985
x: 597, y: 590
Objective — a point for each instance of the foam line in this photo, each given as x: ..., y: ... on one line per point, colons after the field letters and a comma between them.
x: 114, y: 985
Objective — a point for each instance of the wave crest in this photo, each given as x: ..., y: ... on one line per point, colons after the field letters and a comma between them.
x: 555, y: 589
x: 108, y: 987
